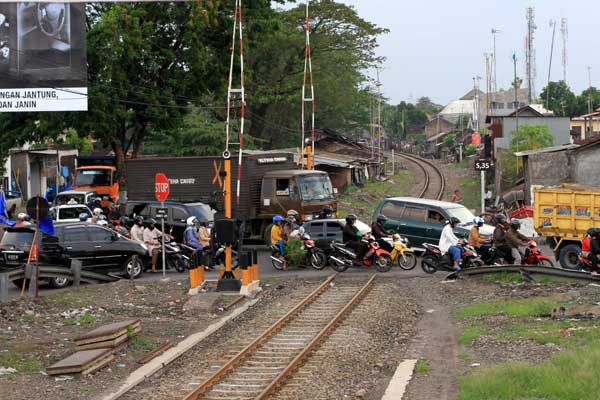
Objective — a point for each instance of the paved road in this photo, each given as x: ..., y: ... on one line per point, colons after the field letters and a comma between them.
x: 266, y: 270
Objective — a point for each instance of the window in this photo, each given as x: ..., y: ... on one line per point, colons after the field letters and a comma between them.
x: 72, y: 212
x: 315, y: 187
x: 267, y: 188
x: 75, y: 235
x: 141, y: 209
x: 435, y: 217
x: 283, y: 187
x: 100, y: 235
x: 414, y: 214
x: 93, y: 177
x: 392, y: 210
x: 334, y: 228
x: 179, y: 214
x: 316, y: 228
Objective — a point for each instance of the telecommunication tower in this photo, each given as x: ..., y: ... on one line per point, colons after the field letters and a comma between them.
x: 530, y: 65
x: 564, y: 30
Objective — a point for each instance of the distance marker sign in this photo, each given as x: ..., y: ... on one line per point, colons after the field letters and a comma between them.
x: 483, y: 165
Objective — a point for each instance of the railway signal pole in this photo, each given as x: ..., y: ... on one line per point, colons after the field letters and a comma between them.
x: 308, y: 145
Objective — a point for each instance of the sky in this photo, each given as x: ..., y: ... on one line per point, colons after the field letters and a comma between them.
x: 435, y: 48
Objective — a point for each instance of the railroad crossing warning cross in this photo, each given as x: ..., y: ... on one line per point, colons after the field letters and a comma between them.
x: 217, y: 178
x: 161, y: 187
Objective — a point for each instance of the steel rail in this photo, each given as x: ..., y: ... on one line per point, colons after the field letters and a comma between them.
x: 317, y: 340
x: 530, y: 270
x: 239, y: 358
x: 421, y: 162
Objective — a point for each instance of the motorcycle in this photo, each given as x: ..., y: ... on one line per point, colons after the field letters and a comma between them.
x: 531, y: 256
x: 343, y: 257
x: 434, y: 261
x: 402, y: 253
x: 314, y: 256
x: 175, y: 257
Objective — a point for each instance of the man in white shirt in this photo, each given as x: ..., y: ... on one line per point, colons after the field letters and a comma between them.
x: 137, y: 230
x: 449, y: 242
x: 152, y: 241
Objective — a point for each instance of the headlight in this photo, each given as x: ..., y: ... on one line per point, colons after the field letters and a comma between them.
x: 104, y: 197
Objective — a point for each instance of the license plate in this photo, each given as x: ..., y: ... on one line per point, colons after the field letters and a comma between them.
x: 13, y: 257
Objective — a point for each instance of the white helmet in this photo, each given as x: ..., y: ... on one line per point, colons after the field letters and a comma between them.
x: 102, y: 222
x: 21, y: 216
x: 478, y: 221
x: 97, y: 211
x: 191, y: 221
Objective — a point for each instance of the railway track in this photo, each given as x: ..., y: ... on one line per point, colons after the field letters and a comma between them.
x: 435, y: 183
x: 264, y: 365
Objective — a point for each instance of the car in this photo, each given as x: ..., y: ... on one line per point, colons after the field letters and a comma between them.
x: 325, y: 231
x: 80, y: 196
x: 177, y: 214
x: 422, y: 220
x: 69, y: 213
x: 99, y: 249
x: 12, y: 197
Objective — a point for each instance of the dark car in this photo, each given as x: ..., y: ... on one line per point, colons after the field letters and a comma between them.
x: 99, y: 249
x: 325, y: 231
x: 421, y: 220
x: 177, y: 214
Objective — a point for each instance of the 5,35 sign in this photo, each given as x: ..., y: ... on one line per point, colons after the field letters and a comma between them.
x: 483, y: 165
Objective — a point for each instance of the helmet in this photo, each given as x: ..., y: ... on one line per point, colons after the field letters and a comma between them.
x: 277, y: 218
x: 139, y: 219
x: 124, y: 220
x: 102, y: 217
x: 351, y: 218
x: 22, y: 216
x: 293, y: 213
x: 500, y: 218
x: 191, y: 221
x: 595, y: 232
x: 83, y: 217
x: 102, y: 222
x: 453, y: 221
x: 97, y: 211
x: 291, y: 219
x: 515, y: 224
x: 478, y: 221
x: 381, y: 218
x: 151, y: 221
x: 328, y: 209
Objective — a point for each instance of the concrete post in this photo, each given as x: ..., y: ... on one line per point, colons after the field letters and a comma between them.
x: 76, y: 271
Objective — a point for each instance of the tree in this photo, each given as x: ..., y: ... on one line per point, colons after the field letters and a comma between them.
x: 516, y: 83
x: 529, y: 137
x: 583, y: 99
x: 558, y: 98
x: 450, y: 140
x: 83, y: 144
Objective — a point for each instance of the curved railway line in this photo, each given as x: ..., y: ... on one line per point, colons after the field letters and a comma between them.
x: 435, y: 183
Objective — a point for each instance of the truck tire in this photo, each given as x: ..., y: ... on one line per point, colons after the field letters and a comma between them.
x: 569, y: 255
x: 267, y: 235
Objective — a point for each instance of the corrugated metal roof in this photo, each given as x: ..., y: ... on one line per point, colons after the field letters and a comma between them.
x: 552, y: 149
x: 458, y: 107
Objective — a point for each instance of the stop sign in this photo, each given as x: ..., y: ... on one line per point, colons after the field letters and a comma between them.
x: 161, y: 187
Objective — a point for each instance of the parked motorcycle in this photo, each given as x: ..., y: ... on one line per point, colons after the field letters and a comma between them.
x: 314, y: 256
x: 434, y: 261
x: 402, y: 254
x: 343, y: 257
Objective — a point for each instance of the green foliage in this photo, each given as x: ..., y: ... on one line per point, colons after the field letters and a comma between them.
x: 516, y: 83
x: 402, y: 119
x: 559, y: 98
x: 12, y: 359
x: 471, y: 333
x: 450, y: 140
x: 529, y: 137
x: 470, y: 150
x: 294, y: 252
x: 83, y: 144
x: 514, y: 308
x: 422, y: 367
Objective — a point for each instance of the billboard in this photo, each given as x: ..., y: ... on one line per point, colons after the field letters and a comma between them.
x: 42, y: 57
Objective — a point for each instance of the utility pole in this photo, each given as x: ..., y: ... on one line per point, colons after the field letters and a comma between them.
x: 590, y: 101
x: 553, y: 26
x: 564, y: 30
x: 530, y: 54
x: 379, y: 118
x: 308, y: 145
x: 494, y: 82
x: 372, y: 123
x: 516, y: 104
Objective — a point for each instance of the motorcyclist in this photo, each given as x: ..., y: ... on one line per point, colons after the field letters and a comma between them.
x: 379, y: 233
x: 152, y: 237
x: 499, y: 236
x: 122, y: 228
x: 586, y: 243
x: 137, y: 230
x: 95, y: 203
x: 475, y: 239
x: 295, y: 214
x: 83, y: 217
x: 595, y: 250
x: 516, y: 239
x: 97, y: 212
x: 326, y: 212
x: 190, y: 235
x: 449, y: 243
x: 278, y: 238
x: 352, y: 237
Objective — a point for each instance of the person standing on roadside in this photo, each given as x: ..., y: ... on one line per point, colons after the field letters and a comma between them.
x: 456, y: 197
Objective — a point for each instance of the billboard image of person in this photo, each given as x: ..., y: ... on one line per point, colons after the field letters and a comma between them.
x: 42, y: 57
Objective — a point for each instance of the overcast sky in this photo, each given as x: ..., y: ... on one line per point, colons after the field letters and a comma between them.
x: 434, y: 48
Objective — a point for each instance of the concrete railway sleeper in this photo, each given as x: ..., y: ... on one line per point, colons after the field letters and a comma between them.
x: 262, y: 367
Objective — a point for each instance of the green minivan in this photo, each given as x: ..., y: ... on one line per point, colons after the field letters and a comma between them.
x: 422, y: 220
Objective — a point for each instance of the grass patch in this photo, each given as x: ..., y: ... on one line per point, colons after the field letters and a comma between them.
x: 139, y: 344
x: 269, y: 280
x: 22, y: 365
x: 84, y: 319
x: 28, y: 318
x: 513, y: 308
x: 470, y: 334
x: 463, y: 355
x: 470, y: 189
x: 506, y: 277
x: 422, y: 367
x: 372, y: 192
x: 70, y: 299
x: 568, y: 334
x: 572, y: 375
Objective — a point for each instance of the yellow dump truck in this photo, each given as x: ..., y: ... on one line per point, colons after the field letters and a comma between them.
x: 563, y: 214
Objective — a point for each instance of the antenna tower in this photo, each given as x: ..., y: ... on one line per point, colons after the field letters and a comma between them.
x: 310, y: 151
x: 530, y: 65
x: 488, y: 81
x: 237, y: 29
x: 494, y: 81
x: 564, y: 30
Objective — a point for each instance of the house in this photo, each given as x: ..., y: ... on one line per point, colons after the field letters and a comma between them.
x: 437, y: 126
x: 586, y: 126
x: 503, y: 124
x: 552, y: 166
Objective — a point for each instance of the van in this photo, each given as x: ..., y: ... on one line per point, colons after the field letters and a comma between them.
x: 422, y: 220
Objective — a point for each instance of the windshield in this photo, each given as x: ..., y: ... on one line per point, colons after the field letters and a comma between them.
x: 315, y: 187
x: 62, y: 199
x: 17, y: 238
x: 71, y: 212
x: 93, y: 177
x: 201, y: 211
x: 462, y: 213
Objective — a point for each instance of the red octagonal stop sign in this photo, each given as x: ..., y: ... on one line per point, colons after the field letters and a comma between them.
x: 161, y: 187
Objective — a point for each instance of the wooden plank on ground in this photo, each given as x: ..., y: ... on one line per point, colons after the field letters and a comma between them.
x: 156, y: 352
x: 108, y: 343
x: 80, y: 361
x: 107, y: 332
